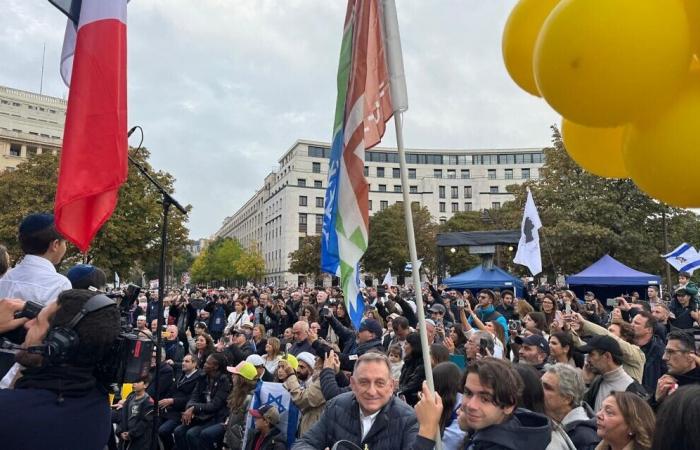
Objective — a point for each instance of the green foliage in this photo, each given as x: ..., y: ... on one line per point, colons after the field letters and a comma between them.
x: 306, y: 259
x: 388, y: 246
x: 129, y: 239
x: 250, y: 265
x: 224, y: 260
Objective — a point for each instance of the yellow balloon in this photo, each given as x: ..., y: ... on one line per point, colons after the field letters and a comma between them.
x: 519, y: 36
x: 662, y: 153
x: 692, y: 8
x: 603, y: 63
x: 597, y: 150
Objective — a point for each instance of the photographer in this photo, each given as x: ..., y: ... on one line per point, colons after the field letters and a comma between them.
x: 61, y: 393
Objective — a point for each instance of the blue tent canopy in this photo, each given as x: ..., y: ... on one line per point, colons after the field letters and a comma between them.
x: 480, y: 278
x: 608, y: 271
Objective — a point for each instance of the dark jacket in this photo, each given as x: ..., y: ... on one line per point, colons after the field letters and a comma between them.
x: 592, y: 391
x: 165, y: 383
x: 683, y: 319
x: 330, y: 386
x: 524, y: 430
x: 654, y: 365
x: 218, y: 390
x: 303, y: 346
x: 182, y: 393
x: 580, y: 426
x: 273, y: 441
x: 395, y: 427
x: 138, y: 422
x: 411, y: 379
x: 174, y: 351
x: 690, y: 377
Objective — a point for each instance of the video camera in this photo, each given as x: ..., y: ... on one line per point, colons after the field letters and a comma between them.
x: 126, y: 298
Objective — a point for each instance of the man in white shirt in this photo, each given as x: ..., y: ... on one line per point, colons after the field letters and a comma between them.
x: 34, y: 278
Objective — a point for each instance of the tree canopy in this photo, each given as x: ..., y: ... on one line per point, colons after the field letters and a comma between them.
x: 226, y: 261
x: 129, y: 239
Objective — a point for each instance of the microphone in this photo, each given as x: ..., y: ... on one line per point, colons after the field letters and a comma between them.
x: 131, y: 131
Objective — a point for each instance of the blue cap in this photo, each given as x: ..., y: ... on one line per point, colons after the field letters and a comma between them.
x: 79, y: 272
x: 35, y: 222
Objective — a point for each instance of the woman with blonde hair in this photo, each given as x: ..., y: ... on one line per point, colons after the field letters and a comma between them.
x: 625, y: 422
x: 272, y: 354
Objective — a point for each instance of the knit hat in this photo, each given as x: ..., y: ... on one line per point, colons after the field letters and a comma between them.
x: 35, y: 222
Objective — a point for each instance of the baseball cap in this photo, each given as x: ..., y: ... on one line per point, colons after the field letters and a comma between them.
x: 602, y: 343
x: 534, y: 340
x: 308, y: 358
x: 244, y: 369
x: 588, y: 294
x: 267, y: 412
x: 437, y: 308
x: 687, y: 291
x: 291, y: 360
x: 372, y: 326
x: 255, y: 360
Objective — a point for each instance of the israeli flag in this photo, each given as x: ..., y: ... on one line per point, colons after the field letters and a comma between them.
x: 267, y: 393
x: 683, y: 258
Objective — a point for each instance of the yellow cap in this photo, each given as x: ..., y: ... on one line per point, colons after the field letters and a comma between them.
x: 291, y: 360
x: 244, y: 369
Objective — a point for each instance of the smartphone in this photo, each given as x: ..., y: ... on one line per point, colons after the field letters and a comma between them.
x: 514, y: 325
x: 460, y: 303
x: 30, y: 310
x: 614, y: 302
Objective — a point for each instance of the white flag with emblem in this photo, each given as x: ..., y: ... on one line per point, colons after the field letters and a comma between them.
x: 528, y: 253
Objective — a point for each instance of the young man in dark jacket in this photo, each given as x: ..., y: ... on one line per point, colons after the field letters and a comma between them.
x: 266, y: 435
x: 136, y: 426
x: 202, y: 422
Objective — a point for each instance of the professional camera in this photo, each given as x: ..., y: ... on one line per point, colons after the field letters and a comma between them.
x: 128, y: 361
x: 126, y: 298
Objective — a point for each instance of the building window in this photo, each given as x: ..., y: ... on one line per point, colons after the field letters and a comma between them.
x: 383, y: 204
x: 319, y: 202
x: 380, y: 172
x: 382, y: 188
x: 302, y: 200
x: 441, y: 191
x: 492, y: 174
x: 468, y: 206
x: 366, y: 171
x: 15, y: 150
x: 465, y: 174
x: 525, y: 174
x: 495, y: 205
x: 319, y: 223
x: 413, y: 189
x: 319, y: 152
x: 396, y: 173
x: 451, y: 173
x: 454, y: 192
x: 316, y: 167
x: 442, y: 206
x: 455, y: 207
x: 302, y: 223
x: 397, y: 188
x: 301, y: 182
x: 412, y: 174
x: 437, y: 173
x: 509, y: 174
x: 443, y: 221
x: 467, y: 192
x: 493, y: 189
x: 370, y: 205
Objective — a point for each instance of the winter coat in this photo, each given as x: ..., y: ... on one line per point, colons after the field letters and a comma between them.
x: 274, y: 440
x: 654, y: 366
x: 394, y: 428
x: 411, y: 379
x: 580, y: 426
x: 309, y: 400
x: 181, y: 394
x: 216, y: 407
x: 165, y: 382
x: 524, y: 430
x: 330, y: 385
x: 139, y: 426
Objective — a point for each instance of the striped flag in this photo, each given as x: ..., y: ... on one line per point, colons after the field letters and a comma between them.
x: 363, y: 106
x: 275, y: 394
x: 684, y: 258
x: 94, y: 160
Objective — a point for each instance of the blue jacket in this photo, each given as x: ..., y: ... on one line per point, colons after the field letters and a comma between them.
x: 489, y: 314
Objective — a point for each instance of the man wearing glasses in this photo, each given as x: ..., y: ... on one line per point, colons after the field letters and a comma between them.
x: 682, y: 365
x: 487, y: 312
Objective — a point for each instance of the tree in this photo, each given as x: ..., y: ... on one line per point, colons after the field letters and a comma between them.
x: 131, y: 237
x: 585, y: 216
x: 250, y: 265
x: 306, y: 260
x: 388, y: 246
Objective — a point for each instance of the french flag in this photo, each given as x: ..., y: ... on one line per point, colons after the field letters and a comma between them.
x: 94, y: 159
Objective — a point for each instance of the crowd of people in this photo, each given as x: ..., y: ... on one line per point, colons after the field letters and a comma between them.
x: 540, y: 370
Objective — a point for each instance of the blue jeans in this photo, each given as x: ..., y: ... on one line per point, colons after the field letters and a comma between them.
x: 199, y: 437
x: 165, y: 431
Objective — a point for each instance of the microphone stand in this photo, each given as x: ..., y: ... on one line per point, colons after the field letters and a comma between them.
x: 167, y: 201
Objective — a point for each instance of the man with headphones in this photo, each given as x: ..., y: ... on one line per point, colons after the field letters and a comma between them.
x: 58, y: 403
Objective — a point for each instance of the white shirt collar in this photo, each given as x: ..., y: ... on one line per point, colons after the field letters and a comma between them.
x: 367, y: 422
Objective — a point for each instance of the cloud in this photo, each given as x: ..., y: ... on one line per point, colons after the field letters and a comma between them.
x: 223, y: 87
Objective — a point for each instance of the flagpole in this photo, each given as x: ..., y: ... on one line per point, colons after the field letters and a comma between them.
x: 415, y: 272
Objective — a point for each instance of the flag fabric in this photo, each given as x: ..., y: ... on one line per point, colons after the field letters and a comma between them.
x: 363, y: 106
x: 528, y: 253
x: 117, y: 281
x: 388, y: 280
x: 267, y: 393
x: 94, y: 161
x: 409, y: 266
x: 684, y: 258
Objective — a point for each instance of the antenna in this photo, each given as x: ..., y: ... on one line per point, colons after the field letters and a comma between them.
x: 41, y: 83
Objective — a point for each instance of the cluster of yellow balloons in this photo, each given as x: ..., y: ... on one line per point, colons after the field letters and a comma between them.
x: 623, y: 75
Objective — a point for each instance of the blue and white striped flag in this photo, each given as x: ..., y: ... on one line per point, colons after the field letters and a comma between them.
x: 267, y: 393
x: 683, y: 258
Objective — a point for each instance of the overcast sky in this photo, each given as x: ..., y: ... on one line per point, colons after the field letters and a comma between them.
x: 223, y: 87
